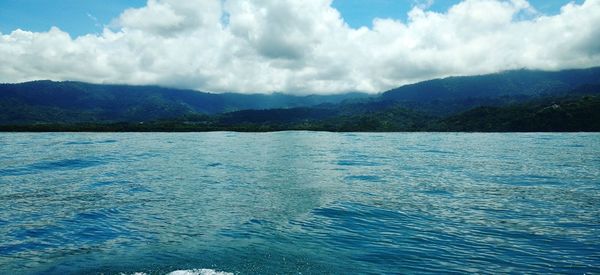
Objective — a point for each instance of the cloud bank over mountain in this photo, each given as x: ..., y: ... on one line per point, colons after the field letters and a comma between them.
x: 304, y: 47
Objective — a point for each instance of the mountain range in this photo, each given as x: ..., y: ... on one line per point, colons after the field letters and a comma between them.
x: 519, y: 100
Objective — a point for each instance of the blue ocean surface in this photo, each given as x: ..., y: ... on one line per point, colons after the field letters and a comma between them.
x: 299, y: 203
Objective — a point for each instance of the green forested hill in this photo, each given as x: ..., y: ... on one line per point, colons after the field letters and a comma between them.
x: 549, y: 115
x: 511, y: 101
x: 509, y: 83
x: 72, y: 102
x: 456, y: 94
x: 564, y: 114
x: 570, y: 113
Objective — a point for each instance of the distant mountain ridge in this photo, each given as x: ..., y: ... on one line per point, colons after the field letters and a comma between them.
x: 71, y: 102
x: 455, y: 94
x: 508, y: 83
x: 410, y: 107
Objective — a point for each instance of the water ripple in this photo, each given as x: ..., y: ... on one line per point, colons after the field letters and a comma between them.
x: 60, y: 165
x: 299, y: 202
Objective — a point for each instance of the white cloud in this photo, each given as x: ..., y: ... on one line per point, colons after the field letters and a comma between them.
x: 304, y: 46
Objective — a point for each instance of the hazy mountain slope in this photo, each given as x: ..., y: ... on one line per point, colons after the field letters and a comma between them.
x: 75, y: 102
x: 47, y: 101
x: 561, y: 114
x: 456, y: 94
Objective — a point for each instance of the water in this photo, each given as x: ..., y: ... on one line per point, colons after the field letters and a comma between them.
x: 299, y: 202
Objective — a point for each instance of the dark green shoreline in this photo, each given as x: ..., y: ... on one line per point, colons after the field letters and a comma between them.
x: 513, y: 101
x: 570, y: 114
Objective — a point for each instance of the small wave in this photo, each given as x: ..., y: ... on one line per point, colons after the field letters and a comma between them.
x: 434, y: 151
x: 437, y: 192
x: 87, y: 142
x: 101, y: 184
x: 368, y: 178
x: 574, y: 146
x: 60, y: 165
x: 357, y: 163
x: 530, y: 180
x: 139, y: 189
x: 78, y: 143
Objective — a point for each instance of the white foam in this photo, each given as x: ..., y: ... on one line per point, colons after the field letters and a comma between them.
x: 203, y: 271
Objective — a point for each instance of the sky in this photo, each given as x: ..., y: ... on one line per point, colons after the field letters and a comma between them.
x: 292, y: 46
x: 80, y: 17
